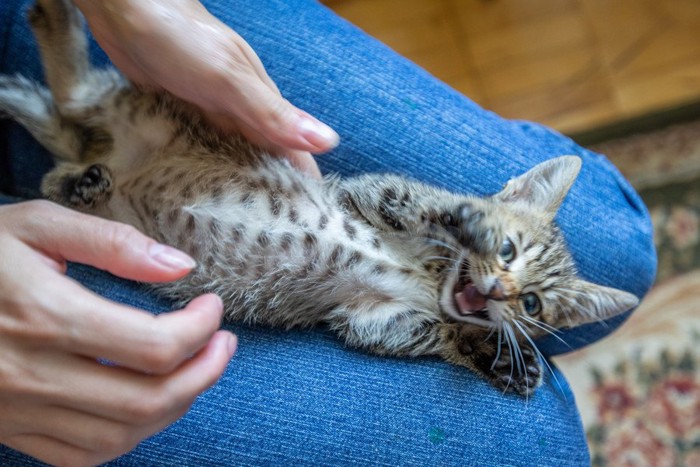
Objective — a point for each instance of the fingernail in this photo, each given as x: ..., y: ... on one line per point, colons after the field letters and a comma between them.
x: 318, y: 134
x: 170, y: 257
x: 232, y: 344
x: 219, y: 303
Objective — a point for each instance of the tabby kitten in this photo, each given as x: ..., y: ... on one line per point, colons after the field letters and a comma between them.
x: 390, y: 264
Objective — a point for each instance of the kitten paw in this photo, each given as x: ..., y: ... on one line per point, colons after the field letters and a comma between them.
x: 92, y: 186
x: 463, y: 341
x: 522, y: 376
x: 77, y: 187
x: 478, y: 231
x: 478, y: 349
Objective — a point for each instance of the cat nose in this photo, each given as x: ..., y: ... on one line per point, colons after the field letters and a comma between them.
x: 497, y: 292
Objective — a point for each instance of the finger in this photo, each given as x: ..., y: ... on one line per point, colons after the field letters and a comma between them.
x: 120, y: 249
x: 52, y: 451
x: 255, y: 98
x: 302, y: 160
x: 274, y: 125
x: 122, y: 60
x: 130, y: 397
x: 267, y: 111
x: 83, y: 430
x: 251, y: 101
x: 202, y: 371
x: 132, y: 338
x: 252, y: 58
x: 75, y: 428
x: 67, y: 316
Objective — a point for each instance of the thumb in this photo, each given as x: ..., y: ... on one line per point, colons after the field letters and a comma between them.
x: 256, y: 105
x: 261, y: 113
x: 67, y: 235
x: 289, y: 127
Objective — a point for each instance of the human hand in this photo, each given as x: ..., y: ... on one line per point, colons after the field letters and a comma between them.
x: 57, y: 402
x: 179, y: 46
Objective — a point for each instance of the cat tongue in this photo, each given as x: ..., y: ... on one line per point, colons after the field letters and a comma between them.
x: 470, y: 300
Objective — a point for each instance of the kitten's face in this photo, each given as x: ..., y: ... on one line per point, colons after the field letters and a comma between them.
x: 529, y: 283
x: 529, y: 286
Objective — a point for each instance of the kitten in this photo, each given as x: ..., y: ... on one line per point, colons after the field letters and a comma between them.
x: 391, y: 265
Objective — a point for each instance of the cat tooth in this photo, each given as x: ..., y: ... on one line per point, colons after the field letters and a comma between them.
x: 462, y: 304
x: 467, y: 305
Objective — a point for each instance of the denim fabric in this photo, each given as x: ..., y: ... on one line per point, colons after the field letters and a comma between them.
x: 300, y: 396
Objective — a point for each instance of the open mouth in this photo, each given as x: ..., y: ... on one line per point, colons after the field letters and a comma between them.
x: 469, y: 302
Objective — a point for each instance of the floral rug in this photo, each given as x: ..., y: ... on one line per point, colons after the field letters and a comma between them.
x: 639, y: 390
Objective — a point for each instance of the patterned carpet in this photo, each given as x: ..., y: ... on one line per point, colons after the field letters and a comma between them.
x: 639, y: 389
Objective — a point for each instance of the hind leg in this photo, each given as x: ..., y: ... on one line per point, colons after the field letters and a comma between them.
x: 63, y: 48
x: 58, y: 29
x: 65, y: 120
x: 71, y: 183
x: 31, y: 105
x: 78, y: 90
x: 79, y: 96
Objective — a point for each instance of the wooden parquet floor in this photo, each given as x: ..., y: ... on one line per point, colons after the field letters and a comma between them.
x: 574, y: 65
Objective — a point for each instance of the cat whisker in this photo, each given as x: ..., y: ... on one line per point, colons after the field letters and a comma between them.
x: 466, y: 272
x: 580, y: 309
x: 546, y: 328
x: 510, y: 351
x: 520, y: 361
x: 443, y: 258
x: 540, y: 324
x: 436, y: 242
x: 520, y: 358
x: 498, y: 348
x: 491, y: 332
x: 565, y: 300
x: 540, y: 355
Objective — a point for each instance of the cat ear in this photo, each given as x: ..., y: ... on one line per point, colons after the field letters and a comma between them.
x: 594, y: 303
x: 545, y: 186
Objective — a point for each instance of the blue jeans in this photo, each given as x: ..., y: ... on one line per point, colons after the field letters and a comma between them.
x: 300, y: 397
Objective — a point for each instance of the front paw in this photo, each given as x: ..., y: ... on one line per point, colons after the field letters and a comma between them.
x: 517, y: 370
x: 513, y: 368
x: 478, y: 231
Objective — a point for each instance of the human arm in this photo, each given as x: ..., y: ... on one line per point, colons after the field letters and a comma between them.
x: 179, y: 46
x: 58, y: 401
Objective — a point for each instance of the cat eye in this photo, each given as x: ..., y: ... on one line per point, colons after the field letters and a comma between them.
x: 507, y: 252
x: 531, y: 303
